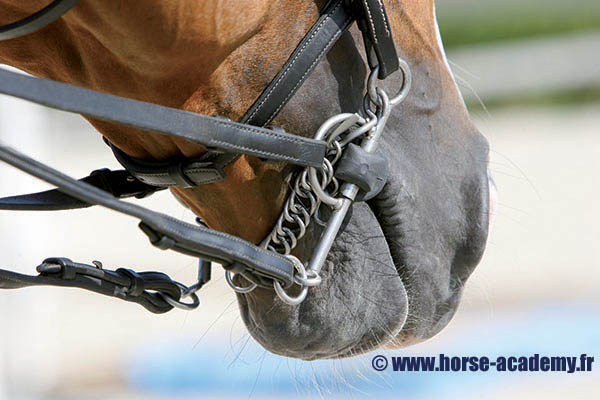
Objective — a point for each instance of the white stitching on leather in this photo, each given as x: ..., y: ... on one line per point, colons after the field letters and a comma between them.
x: 190, y: 173
x: 387, y: 29
x: 277, y: 156
x: 291, y: 92
x: 249, y: 128
x: 294, y: 60
x: 167, y: 229
x: 371, y: 25
x: 262, y: 131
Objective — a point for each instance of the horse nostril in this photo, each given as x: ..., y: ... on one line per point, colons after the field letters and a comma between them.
x: 493, y: 201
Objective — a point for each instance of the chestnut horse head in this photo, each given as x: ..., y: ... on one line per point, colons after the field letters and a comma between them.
x: 395, y: 273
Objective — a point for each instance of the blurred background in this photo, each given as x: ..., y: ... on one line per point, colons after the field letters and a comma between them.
x: 530, y: 74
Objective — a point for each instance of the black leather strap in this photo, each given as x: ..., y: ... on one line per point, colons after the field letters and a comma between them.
x: 164, y: 231
x: 36, y: 21
x: 144, y: 288
x: 182, y: 172
x: 121, y: 184
x: 377, y: 33
x: 212, y: 132
x: 334, y: 21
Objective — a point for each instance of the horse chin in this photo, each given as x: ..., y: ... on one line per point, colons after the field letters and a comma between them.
x: 361, y: 304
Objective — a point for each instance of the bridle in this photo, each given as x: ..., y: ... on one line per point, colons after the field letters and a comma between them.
x: 340, y: 165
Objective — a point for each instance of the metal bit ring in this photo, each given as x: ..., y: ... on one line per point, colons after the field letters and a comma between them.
x: 238, y: 289
x: 312, y: 279
x: 402, y: 93
x: 286, y: 298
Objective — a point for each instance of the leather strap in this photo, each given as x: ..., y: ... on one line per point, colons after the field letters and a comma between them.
x: 106, y: 187
x: 37, y: 21
x: 187, y: 173
x: 144, y: 288
x: 121, y: 184
x: 164, y: 231
x: 182, y: 172
x: 212, y: 132
x: 377, y: 34
x: 334, y: 21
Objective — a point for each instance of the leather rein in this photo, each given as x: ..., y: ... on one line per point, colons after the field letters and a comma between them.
x: 340, y: 165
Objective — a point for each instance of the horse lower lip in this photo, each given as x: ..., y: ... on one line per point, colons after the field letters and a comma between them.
x: 360, y: 272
